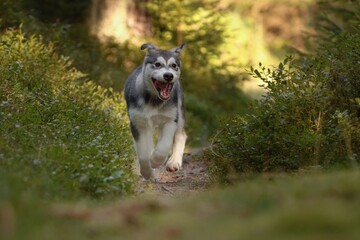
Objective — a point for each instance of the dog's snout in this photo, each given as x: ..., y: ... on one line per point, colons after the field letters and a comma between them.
x: 168, y: 77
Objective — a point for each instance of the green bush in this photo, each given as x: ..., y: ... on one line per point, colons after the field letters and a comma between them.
x: 309, y: 115
x: 61, y: 135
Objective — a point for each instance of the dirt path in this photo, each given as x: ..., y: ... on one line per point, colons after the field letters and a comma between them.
x: 192, y: 178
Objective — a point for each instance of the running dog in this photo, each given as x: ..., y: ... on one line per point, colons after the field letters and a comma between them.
x: 154, y: 98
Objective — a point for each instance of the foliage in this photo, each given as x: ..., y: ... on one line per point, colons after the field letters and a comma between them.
x: 69, y: 11
x: 192, y: 23
x: 61, y: 134
x: 308, y: 116
x: 106, y: 64
x: 337, y: 17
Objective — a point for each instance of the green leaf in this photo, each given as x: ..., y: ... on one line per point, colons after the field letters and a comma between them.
x: 281, y: 66
x: 257, y: 73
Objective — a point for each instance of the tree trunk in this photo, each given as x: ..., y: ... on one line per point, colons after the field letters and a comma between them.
x: 119, y: 20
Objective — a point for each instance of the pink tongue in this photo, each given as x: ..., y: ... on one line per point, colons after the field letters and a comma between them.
x: 164, y: 88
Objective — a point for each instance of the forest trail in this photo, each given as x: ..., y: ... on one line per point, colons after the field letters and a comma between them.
x: 151, y: 197
x: 192, y: 178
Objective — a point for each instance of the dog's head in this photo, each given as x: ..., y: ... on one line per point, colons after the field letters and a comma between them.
x: 161, y: 69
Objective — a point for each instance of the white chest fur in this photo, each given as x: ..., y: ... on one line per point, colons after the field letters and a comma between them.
x: 151, y: 117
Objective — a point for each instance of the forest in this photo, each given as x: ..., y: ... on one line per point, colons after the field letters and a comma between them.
x: 272, y: 105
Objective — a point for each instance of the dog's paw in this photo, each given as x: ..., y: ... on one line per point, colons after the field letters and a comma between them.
x: 152, y: 177
x: 173, y: 166
x: 145, y: 170
x: 157, y: 159
x: 147, y: 173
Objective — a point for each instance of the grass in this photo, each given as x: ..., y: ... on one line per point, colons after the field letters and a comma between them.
x: 315, y: 205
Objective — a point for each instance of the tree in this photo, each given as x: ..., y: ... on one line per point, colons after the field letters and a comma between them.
x: 118, y: 20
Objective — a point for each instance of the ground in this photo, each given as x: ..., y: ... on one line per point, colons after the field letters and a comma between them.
x: 312, y: 204
x: 192, y: 178
x: 309, y: 204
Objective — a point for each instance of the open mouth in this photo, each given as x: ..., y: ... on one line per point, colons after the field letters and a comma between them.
x: 163, y: 88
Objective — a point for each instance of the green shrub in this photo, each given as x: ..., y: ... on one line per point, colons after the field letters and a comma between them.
x: 61, y: 135
x: 308, y: 116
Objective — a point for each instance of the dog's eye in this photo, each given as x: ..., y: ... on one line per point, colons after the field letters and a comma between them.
x: 157, y: 65
x: 173, y: 65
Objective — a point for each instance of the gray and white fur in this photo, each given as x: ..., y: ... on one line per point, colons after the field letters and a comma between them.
x: 154, y: 98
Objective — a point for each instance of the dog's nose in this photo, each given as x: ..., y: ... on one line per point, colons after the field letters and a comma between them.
x: 168, y: 77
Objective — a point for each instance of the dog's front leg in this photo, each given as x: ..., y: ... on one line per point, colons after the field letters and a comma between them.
x: 144, y: 147
x: 175, y: 161
x: 164, y: 144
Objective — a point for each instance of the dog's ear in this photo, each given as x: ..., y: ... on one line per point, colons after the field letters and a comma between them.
x: 150, y: 47
x: 178, y: 49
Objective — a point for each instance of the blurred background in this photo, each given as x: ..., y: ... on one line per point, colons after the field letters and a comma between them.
x: 64, y: 131
x: 223, y: 37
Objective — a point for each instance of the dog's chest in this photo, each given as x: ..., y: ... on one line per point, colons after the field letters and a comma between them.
x: 151, y: 117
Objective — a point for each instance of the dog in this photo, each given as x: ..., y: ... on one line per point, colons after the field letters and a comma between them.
x: 154, y: 99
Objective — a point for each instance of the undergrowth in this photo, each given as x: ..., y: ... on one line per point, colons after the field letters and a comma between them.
x: 308, y: 116
x: 61, y: 135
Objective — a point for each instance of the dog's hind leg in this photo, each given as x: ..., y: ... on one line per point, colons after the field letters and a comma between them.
x: 163, y: 146
x: 175, y: 161
x: 144, y: 147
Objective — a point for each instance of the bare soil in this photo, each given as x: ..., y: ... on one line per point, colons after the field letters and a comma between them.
x: 192, y: 178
